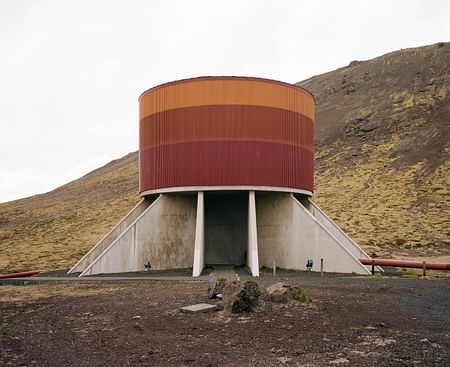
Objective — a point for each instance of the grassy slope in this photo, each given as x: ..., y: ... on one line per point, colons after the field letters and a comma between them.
x: 53, y: 230
x: 382, y: 150
x: 382, y: 164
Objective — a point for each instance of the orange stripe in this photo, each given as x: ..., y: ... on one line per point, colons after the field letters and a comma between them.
x: 224, y: 91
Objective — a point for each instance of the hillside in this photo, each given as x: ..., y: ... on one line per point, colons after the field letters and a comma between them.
x: 53, y: 230
x: 382, y: 150
x: 382, y: 169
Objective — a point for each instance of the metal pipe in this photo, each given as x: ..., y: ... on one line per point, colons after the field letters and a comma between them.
x: 406, y: 264
x: 22, y: 274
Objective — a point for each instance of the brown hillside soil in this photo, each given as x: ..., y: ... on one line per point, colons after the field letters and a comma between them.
x: 54, y: 230
x: 351, y: 322
x: 382, y: 170
x: 383, y: 149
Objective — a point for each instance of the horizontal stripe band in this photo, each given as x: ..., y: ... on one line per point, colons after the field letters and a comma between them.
x: 196, y: 189
x: 222, y: 163
x: 245, y: 78
x: 201, y: 92
x: 226, y: 122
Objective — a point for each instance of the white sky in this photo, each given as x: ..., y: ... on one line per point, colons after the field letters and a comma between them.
x: 71, y: 71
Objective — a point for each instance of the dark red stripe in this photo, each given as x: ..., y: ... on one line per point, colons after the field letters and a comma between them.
x: 220, y: 163
x: 226, y: 122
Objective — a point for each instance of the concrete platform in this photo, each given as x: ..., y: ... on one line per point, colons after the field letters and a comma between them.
x: 257, y: 229
x: 199, y: 308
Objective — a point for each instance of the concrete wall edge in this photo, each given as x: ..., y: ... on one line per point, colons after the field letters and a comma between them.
x: 195, y: 189
x: 106, y: 235
x: 331, y: 235
x: 121, y: 235
x: 365, y: 255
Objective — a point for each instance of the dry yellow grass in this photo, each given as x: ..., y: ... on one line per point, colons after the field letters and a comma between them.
x: 379, y: 206
x: 53, y: 230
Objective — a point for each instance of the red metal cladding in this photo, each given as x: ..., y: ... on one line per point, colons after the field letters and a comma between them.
x: 204, y: 140
x: 231, y: 122
x: 226, y: 163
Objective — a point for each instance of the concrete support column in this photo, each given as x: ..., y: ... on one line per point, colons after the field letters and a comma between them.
x: 252, y: 244
x: 199, y: 248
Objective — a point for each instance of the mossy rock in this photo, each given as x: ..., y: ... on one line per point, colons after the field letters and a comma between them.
x: 284, y: 293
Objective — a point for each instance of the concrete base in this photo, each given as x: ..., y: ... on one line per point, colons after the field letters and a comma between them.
x: 163, y: 235
x: 290, y: 235
x: 179, y: 231
x: 112, y: 235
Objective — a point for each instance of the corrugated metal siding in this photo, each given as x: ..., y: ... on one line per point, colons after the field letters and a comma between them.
x: 235, y: 122
x: 226, y: 91
x: 223, y: 163
x: 252, y: 133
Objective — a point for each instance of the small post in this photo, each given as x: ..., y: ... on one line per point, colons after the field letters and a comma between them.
x: 424, y: 267
x: 274, y: 268
x: 373, y: 266
x: 321, y: 267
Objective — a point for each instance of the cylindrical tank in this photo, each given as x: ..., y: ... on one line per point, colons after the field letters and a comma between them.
x: 226, y: 133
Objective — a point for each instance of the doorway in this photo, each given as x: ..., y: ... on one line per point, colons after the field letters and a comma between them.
x: 226, y: 222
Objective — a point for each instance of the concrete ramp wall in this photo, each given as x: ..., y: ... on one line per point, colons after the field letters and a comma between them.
x: 289, y: 234
x: 112, y: 235
x: 162, y: 234
x: 334, y: 229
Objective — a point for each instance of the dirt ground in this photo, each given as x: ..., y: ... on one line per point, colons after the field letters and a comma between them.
x: 352, y: 321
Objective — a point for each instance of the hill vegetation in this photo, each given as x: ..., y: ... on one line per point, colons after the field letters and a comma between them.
x: 382, y: 150
x: 382, y: 169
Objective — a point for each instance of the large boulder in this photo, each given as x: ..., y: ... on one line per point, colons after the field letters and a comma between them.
x: 239, y: 298
x: 217, y: 288
x: 284, y: 293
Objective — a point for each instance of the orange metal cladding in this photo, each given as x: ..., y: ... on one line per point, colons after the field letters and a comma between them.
x: 226, y: 131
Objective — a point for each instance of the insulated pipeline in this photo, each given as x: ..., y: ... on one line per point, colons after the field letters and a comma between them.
x: 406, y: 263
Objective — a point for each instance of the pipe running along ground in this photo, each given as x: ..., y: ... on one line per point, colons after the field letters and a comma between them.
x: 406, y: 264
x: 22, y: 274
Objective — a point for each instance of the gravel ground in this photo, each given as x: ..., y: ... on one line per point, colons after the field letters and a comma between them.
x: 352, y: 321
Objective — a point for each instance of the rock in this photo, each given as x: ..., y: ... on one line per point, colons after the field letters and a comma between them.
x: 284, y: 293
x: 238, y: 299
x: 339, y: 361
x: 217, y: 289
x: 276, y: 293
x: 283, y: 360
x: 201, y: 307
x: 380, y: 342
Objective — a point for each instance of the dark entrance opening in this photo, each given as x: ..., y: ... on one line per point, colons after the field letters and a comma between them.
x: 226, y: 221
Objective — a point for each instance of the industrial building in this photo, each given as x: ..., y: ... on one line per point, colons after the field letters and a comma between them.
x: 226, y: 175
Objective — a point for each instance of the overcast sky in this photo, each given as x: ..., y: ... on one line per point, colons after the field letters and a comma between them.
x: 71, y: 72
